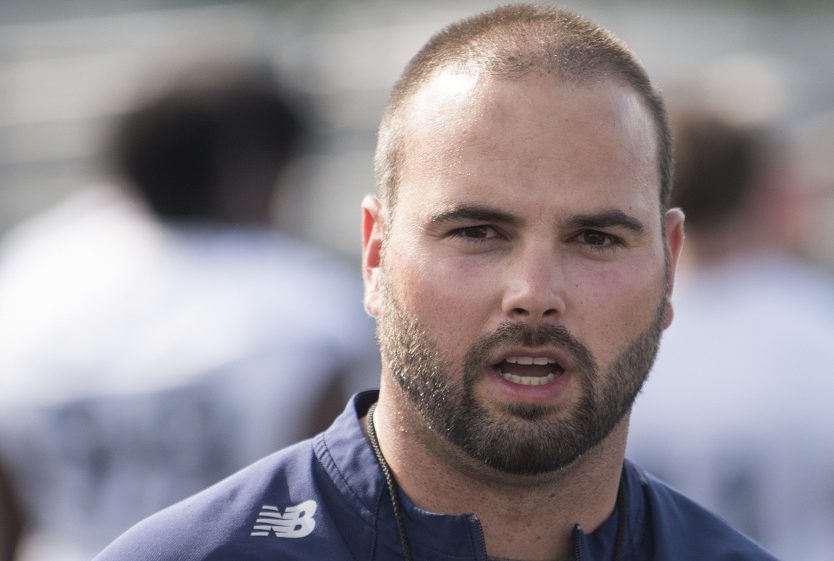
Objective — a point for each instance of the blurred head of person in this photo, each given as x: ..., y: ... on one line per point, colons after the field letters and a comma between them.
x: 739, y: 187
x: 209, y: 145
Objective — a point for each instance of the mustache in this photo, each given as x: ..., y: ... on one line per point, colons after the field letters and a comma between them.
x: 547, y: 335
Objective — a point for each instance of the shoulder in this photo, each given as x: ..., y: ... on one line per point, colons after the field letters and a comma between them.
x: 256, y: 514
x: 681, y: 530
x: 231, y: 519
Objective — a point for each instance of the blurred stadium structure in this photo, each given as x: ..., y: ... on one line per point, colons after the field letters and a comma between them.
x: 66, y: 68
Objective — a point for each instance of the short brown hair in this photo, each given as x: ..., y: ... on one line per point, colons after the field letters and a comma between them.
x: 509, y: 42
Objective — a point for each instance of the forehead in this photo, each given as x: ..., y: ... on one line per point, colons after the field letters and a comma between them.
x: 536, y: 137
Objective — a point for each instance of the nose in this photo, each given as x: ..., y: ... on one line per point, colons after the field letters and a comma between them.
x: 534, y: 289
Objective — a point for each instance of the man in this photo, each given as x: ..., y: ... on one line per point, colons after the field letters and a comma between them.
x: 519, y: 265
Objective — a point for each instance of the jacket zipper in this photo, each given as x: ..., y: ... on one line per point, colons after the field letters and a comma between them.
x: 480, y: 535
x: 577, y: 549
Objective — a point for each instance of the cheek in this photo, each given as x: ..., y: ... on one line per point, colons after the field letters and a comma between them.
x: 451, y: 295
x: 613, y: 305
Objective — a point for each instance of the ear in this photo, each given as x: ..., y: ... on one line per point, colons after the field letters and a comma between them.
x: 673, y: 220
x: 373, y: 223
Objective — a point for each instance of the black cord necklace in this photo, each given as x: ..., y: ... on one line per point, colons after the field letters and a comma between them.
x: 391, y: 485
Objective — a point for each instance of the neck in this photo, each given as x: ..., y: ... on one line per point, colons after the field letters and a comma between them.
x: 583, y: 493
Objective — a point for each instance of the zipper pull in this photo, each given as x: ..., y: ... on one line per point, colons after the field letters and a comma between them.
x: 578, y: 536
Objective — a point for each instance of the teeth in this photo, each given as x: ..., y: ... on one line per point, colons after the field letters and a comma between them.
x: 541, y: 361
x: 529, y: 380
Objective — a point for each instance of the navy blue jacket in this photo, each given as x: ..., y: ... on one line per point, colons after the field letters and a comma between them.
x: 325, y: 499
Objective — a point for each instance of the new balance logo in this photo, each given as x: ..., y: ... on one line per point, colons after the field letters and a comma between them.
x: 296, y: 522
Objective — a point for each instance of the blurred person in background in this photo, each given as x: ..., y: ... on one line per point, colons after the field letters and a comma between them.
x: 157, y: 333
x: 10, y: 518
x: 737, y: 412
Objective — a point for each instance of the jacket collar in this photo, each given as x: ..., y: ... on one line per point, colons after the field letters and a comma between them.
x: 346, y: 456
x: 601, y: 544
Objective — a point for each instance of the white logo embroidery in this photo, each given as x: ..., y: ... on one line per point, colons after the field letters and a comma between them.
x: 296, y: 522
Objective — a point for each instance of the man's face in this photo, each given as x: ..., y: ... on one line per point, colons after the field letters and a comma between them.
x: 522, y: 289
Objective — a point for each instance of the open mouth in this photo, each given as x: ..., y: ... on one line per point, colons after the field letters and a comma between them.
x: 529, y: 371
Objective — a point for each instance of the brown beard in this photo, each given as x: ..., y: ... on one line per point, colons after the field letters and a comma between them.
x: 519, y: 438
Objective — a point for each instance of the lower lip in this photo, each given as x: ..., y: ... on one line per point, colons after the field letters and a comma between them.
x: 535, y: 394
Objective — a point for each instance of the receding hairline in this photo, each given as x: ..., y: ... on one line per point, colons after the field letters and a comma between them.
x: 509, y: 43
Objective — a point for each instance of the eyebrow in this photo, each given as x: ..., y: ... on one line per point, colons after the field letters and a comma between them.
x: 480, y: 213
x: 606, y: 219
x: 477, y: 213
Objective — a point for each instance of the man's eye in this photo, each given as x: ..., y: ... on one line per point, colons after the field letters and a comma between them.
x: 475, y: 232
x: 599, y: 240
